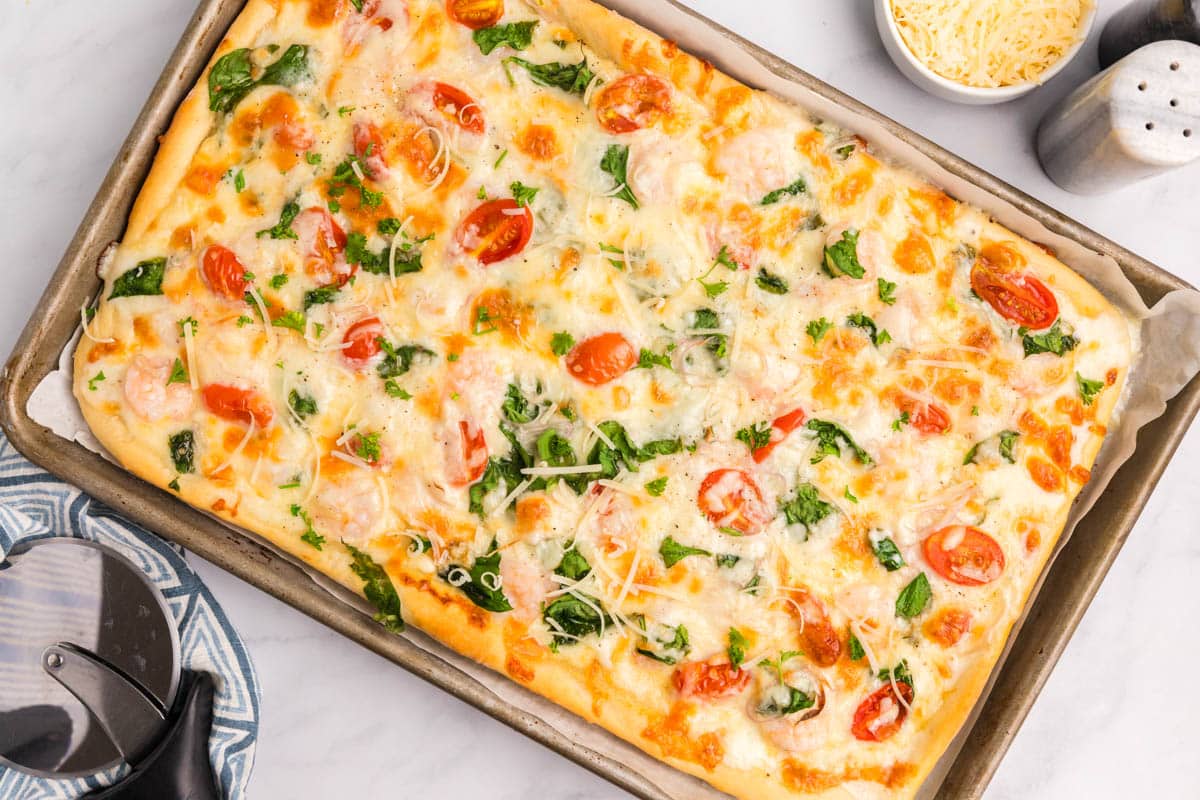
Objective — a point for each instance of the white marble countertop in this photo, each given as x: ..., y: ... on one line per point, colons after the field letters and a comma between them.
x: 1115, y: 718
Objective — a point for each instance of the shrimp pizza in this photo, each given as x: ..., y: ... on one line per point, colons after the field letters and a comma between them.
x: 658, y: 395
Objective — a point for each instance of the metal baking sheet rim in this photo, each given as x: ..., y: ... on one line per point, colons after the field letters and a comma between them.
x: 1068, y: 585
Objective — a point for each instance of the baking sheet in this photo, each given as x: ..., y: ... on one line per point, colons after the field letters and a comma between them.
x: 1170, y: 335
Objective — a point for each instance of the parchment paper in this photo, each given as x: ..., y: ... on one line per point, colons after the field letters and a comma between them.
x: 1169, y: 355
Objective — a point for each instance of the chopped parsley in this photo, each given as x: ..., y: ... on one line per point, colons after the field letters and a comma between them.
x: 398, y: 359
x: 239, y: 181
x: 901, y: 421
x: 292, y: 319
x: 737, y: 647
x: 656, y: 487
x: 344, y: 177
x: 523, y: 194
x: 648, y: 359
x: 179, y: 373
x: 95, y: 379
x: 1052, y: 341
x: 393, y: 389
x: 516, y: 408
x: 304, y: 405
x: 805, y: 507
x: 320, y: 296
x: 755, y: 436
x: 857, y: 653
x: 1088, y: 389
x: 278, y: 281
x: 561, y: 343
x: 818, y: 328
x: 887, y: 291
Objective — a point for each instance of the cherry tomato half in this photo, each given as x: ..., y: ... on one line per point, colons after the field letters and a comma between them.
x: 821, y: 642
x: 1016, y: 296
x: 495, y: 230
x: 466, y: 454
x: 368, y: 146
x: 475, y: 14
x: 732, y: 501
x: 925, y: 417
x: 879, y: 716
x: 458, y: 107
x: 237, y: 404
x: 710, y: 680
x: 964, y: 555
x: 361, y: 342
x: 780, y: 428
x: 223, y: 273
x: 601, y: 358
x: 632, y: 102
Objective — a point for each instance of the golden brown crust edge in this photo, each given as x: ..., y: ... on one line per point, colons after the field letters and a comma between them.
x: 561, y: 681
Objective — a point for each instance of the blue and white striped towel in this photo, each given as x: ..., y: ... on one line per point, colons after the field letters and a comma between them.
x: 34, y: 505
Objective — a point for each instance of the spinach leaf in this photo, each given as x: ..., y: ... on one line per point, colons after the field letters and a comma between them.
x: 770, y: 282
x: 573, y: 617
x: 647, y: 359
x: 304, y: 405
x: 888, y: 554
x: 914, y: 597
x: 1052, y: 341
x: 668, y: 650
x: 408, y: 255
x: 144, y: 279
x: 899, y: 672
x: 398, y: 359
x: 887, y: 291
x: 673, y: 552
x: 727, y: 560
x: 183, y: 451
x: 573, y: 566
x: 283, y: 230
x: 232, y: 77
x: 860, y: 320
x: 320, y: 295
x: 841, y: 258
x: 378, y: 588
x: 828, y: 435
x: 1007, y: 440
x: 483, y: 587
x: 616, y: 164
x: 517, y: 35
x: 857, y: 653
x: 806, y: 507
x: 794, y: 188
x: 571, y: 78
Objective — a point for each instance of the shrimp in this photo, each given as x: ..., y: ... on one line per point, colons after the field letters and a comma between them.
x: 475, y: 388
x: 800, y: 731
x: 381, y: 14
x: 525, y: 582
x: 658, y: 167
x: 613, y: 521
x: 349, y: 508
x: 758, y: 162
x: 149, y: 394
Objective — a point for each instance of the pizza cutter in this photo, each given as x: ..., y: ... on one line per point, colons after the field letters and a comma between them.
x: 90, y: 676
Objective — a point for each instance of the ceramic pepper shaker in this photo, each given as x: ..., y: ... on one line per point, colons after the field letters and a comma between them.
x: 1136, y: 119
x: 1144, y: 21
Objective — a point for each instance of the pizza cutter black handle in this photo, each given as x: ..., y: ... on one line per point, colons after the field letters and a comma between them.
x: 178, y: 767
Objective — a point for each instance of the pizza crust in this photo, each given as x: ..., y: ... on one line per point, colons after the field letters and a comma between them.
x: 448, y: 616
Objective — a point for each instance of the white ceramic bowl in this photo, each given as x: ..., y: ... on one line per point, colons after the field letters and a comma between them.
x: 947, y: 89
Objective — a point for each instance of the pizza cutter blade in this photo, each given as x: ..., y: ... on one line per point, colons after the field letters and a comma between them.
x: 90, y: 675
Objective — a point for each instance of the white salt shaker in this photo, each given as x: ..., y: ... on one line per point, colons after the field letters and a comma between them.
x: 1138, y: 118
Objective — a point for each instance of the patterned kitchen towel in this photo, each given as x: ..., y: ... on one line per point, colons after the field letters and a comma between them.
x: 34, y: 505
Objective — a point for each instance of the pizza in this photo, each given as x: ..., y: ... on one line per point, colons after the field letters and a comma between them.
x: 653, y: 392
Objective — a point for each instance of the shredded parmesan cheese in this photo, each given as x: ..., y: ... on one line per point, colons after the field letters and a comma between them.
x: 989, y: 43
